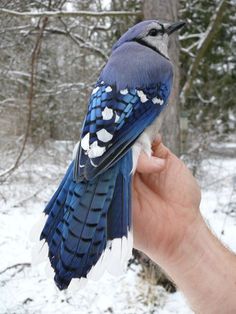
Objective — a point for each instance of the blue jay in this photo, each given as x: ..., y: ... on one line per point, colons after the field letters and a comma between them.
x: 88, y: 223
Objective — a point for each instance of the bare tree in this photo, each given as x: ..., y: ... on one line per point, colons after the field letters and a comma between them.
x: 76, y: 44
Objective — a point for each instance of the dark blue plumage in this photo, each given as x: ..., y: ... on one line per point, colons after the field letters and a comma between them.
x: 92, y: 206
x: 126, y: 109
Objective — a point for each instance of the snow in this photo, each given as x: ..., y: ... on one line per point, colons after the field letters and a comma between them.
x: 25, y: 289
x: 219, y: 198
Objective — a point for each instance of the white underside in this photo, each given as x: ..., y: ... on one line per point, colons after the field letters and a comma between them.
x: 144, y: 142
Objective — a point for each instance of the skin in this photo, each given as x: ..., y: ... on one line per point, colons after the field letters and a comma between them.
x: 169, y: 228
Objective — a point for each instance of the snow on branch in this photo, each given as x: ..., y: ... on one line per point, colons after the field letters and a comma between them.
x: 202, y: 47
x: 70, y: 14
x: 18, y: 265
x: 33, y: 75
x: 190, y: 36
x: 81, y: 42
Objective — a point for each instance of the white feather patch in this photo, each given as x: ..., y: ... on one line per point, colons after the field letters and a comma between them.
x: 107, y: 113
x: 77, y: 284
x: 144, y: 142
x: 85, y: 142
x: 92, y: 163
x: 95, y: 90
x: 39, y: 253
x: 104, y: 136
x: 39, y: 250
x: 117, y: 118
x: 124, y: 91
x: 108, y: 89
x: 49, y: 271
x: 157, y: 100
x: 115, y: 257
x: 120, y: 253
x: 142, y: 96
x: 95, y: 150
x: 99, y: 268
x: 35, y: 231
x: 136, y: 150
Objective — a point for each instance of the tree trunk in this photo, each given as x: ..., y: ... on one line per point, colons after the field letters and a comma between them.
x: 165, y: 10
x: 168, y: 10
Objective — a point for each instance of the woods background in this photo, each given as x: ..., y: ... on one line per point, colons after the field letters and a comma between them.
x: 50, y: 59
x: 51, y: 53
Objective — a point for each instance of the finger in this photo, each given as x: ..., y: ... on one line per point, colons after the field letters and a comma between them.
x: 157, y: 140
x: 150, y: 164
x: 159, y: 149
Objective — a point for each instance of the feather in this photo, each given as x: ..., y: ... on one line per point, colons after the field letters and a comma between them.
x: 88, y: 228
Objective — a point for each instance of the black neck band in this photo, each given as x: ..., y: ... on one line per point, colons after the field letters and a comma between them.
x: 144, y: 43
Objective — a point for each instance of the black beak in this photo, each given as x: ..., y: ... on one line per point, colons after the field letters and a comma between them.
x: 174, y: 27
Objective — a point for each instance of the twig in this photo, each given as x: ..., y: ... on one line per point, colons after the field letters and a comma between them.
x: 77, y: 39
x: 70, y: 14
x: 189, y: 53
x: 190, y: 36
x: 22, y: 265
x: 203, y: 100
x: 34, y: 59
x: 202, y: 47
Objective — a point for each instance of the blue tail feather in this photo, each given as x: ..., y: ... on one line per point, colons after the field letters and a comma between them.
x: 119, y: 214
x: 51, y: 203
x: 82, y: 216
x: 56, y: 207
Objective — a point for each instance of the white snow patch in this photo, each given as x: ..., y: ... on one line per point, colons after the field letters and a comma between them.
x: 24, y: 196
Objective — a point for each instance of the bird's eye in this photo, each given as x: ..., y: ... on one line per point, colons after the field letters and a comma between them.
x: 153, y: 32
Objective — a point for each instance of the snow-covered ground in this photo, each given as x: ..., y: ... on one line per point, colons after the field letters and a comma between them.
x: 27, y: 289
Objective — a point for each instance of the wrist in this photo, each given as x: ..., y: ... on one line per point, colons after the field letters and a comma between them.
x: 203, y: 269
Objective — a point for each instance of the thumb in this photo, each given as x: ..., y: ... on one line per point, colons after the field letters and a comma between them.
x: 150, y: 164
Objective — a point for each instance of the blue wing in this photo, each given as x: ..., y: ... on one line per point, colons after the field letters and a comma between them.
x: 114, y: 121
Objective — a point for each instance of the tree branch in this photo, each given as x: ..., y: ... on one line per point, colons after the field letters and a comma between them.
x: 202, y: 47
x: 21, y: 265
x: 70, y: 14
x: 34, y: 59
x: 78, y: 40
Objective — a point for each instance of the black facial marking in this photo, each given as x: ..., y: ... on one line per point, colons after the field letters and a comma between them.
x: 153, y: 32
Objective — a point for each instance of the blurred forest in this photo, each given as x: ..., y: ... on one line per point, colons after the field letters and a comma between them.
x: 51, y: 56
x: 52, y: 52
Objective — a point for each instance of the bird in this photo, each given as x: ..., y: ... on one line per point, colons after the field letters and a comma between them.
x: 89, y: 220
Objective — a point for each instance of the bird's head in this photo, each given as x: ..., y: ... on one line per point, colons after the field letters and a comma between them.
x: 153, y: 34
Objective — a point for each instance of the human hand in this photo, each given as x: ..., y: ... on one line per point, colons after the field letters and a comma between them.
x: 169, y: 228
x: 166, y: 199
